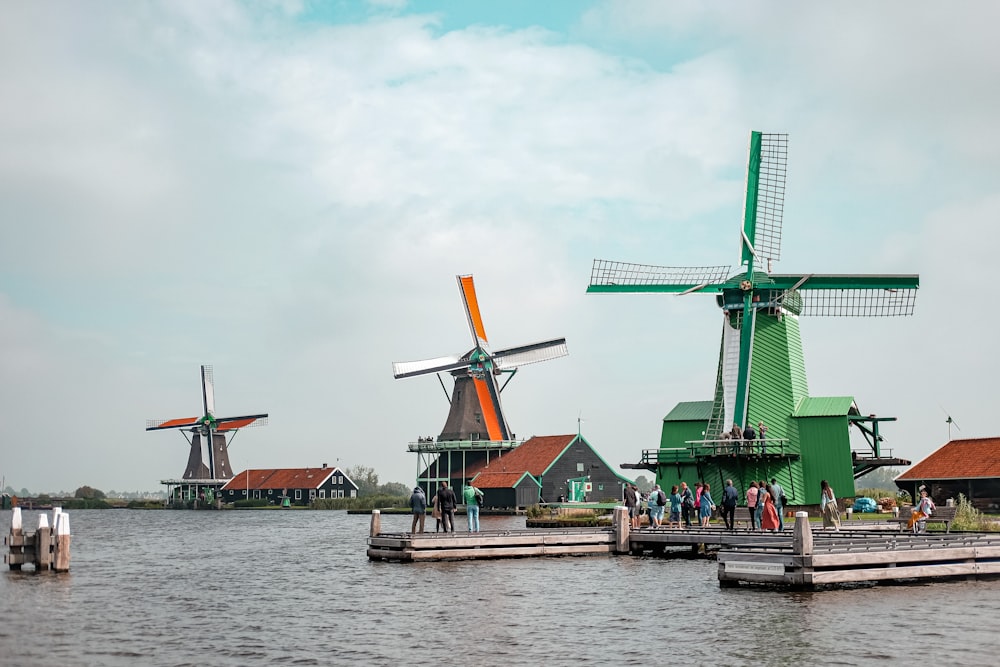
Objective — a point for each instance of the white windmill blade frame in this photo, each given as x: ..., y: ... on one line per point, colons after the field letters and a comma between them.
x: 530, y: 354
x: 404, y: 369
x: 208, y: 389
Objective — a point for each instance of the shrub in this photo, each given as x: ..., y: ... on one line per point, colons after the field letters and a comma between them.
x: 968, y: 517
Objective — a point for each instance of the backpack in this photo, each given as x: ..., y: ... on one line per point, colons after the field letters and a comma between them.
x: 661, y: 498
x: 688, y: 500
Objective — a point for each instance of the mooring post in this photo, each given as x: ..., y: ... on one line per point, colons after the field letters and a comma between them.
x: 376, y: 523
x: 802, y: 538
x: 15, y: 541
x: 43, y: 544
x: 60, y: 560
x: 622, y: 524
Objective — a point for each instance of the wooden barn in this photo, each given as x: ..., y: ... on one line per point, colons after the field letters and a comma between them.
x: 552, y: 463
x: 970, y: 467
x: 300, y: 485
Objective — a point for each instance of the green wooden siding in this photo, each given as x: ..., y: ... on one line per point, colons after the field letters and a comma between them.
x: 826, y: 447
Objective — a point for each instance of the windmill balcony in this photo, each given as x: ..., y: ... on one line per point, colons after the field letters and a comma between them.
x: 430, y: 445
x: 699, y: 450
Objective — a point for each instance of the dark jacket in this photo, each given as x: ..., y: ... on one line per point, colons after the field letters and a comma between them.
x: 446, y: 499
x: 730, y: 497
x: 418, y: 501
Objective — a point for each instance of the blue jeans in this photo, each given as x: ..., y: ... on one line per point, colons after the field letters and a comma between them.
x: 472, y: 514
x: 781, y: 517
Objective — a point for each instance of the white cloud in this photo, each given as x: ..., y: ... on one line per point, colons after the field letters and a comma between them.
x: 198, y: 183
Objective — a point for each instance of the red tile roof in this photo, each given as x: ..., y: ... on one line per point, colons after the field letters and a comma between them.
x: 975, y: 458
x: 499, y: 480
x: 534, y: 455
x: 281, y: 478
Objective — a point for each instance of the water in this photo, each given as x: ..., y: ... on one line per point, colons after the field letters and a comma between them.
x: 295, y: 588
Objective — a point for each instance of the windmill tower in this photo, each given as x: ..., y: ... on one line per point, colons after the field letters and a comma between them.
x: 476, y: 427
x: 760, y: 376
x: 210, y: 435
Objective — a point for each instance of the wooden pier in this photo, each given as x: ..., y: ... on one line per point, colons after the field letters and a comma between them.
x: 822, y: 559
x: 796, y: 558
x: 48, y: 548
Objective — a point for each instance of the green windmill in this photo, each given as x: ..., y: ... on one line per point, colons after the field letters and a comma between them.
x: 761, y: 375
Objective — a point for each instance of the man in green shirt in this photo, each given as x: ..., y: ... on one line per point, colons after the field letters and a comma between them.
x: 473, y: 498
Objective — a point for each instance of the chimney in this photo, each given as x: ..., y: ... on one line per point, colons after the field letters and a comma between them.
x: 324, y: 466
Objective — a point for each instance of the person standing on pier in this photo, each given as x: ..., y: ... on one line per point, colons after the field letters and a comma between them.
x: 778, y: 496
x: 769, y: 519
x: 657, y: 502
x: 473, y: 499
x: 674, y: 520
x: 446, y: 503
x: 729, y: 500
x: 631, y: 498
x: 752, y: 506
x: 418, y: 505
x: 707, y: 505
x: 761, y: 492
x: 828, y: 506
x: 687, y: 503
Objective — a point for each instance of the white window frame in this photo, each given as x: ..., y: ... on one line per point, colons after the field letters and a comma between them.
x: 298, y: 494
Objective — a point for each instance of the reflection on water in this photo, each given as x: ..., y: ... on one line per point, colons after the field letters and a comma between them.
x: 295, y: 587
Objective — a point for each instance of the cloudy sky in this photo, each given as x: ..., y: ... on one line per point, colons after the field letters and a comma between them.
x: 287, y: 191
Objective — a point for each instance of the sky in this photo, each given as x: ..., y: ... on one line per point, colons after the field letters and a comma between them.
x: 287, y: 190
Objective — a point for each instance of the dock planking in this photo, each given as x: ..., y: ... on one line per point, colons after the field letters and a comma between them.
x: 797, y: 558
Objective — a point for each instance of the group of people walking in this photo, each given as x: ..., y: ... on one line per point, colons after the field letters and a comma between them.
x: 443, y: 507
x: 764, y: 501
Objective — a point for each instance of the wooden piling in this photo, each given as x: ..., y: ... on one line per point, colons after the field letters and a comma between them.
x: 376, y: 526
x: 15, y: 541
x: 43, y: 544
x: 802, y: 537
x: 60, y: 558
x: 622, y: 525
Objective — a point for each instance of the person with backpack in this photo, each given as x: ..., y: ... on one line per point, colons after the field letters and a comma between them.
x: 729, y: 499
x: 657, y: 503
x: 687, y: 504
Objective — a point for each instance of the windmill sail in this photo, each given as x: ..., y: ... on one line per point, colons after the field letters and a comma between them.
x: 476, y: 412
x: 530, y: 354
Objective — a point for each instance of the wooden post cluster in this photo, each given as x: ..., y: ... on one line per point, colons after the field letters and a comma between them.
x: 48, y: 548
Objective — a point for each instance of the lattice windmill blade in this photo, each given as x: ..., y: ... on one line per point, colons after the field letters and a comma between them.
x: 467, y: 288
x: 161, y: 424
x: 246, y: 421
x: 208, y: 389
x: 405, y: 369
x: 530, y: 354
x: 611, y: 277
x: 764, y: 204
x: 858, y: 295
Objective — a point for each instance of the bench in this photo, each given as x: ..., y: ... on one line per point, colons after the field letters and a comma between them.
x: 943, y: 515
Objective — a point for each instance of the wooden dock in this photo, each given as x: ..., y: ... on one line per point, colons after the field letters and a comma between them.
x: 797, y: 558
x: 823, y: 559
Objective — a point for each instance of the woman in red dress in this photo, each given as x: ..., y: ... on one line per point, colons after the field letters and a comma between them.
x: 769, y: 520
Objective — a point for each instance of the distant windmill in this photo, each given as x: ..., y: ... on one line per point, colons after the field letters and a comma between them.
x: 213, y: 429
x: 475, y: 400
x: 950, y: 422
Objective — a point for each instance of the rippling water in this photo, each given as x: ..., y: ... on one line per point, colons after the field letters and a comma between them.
x: 295, y: 588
